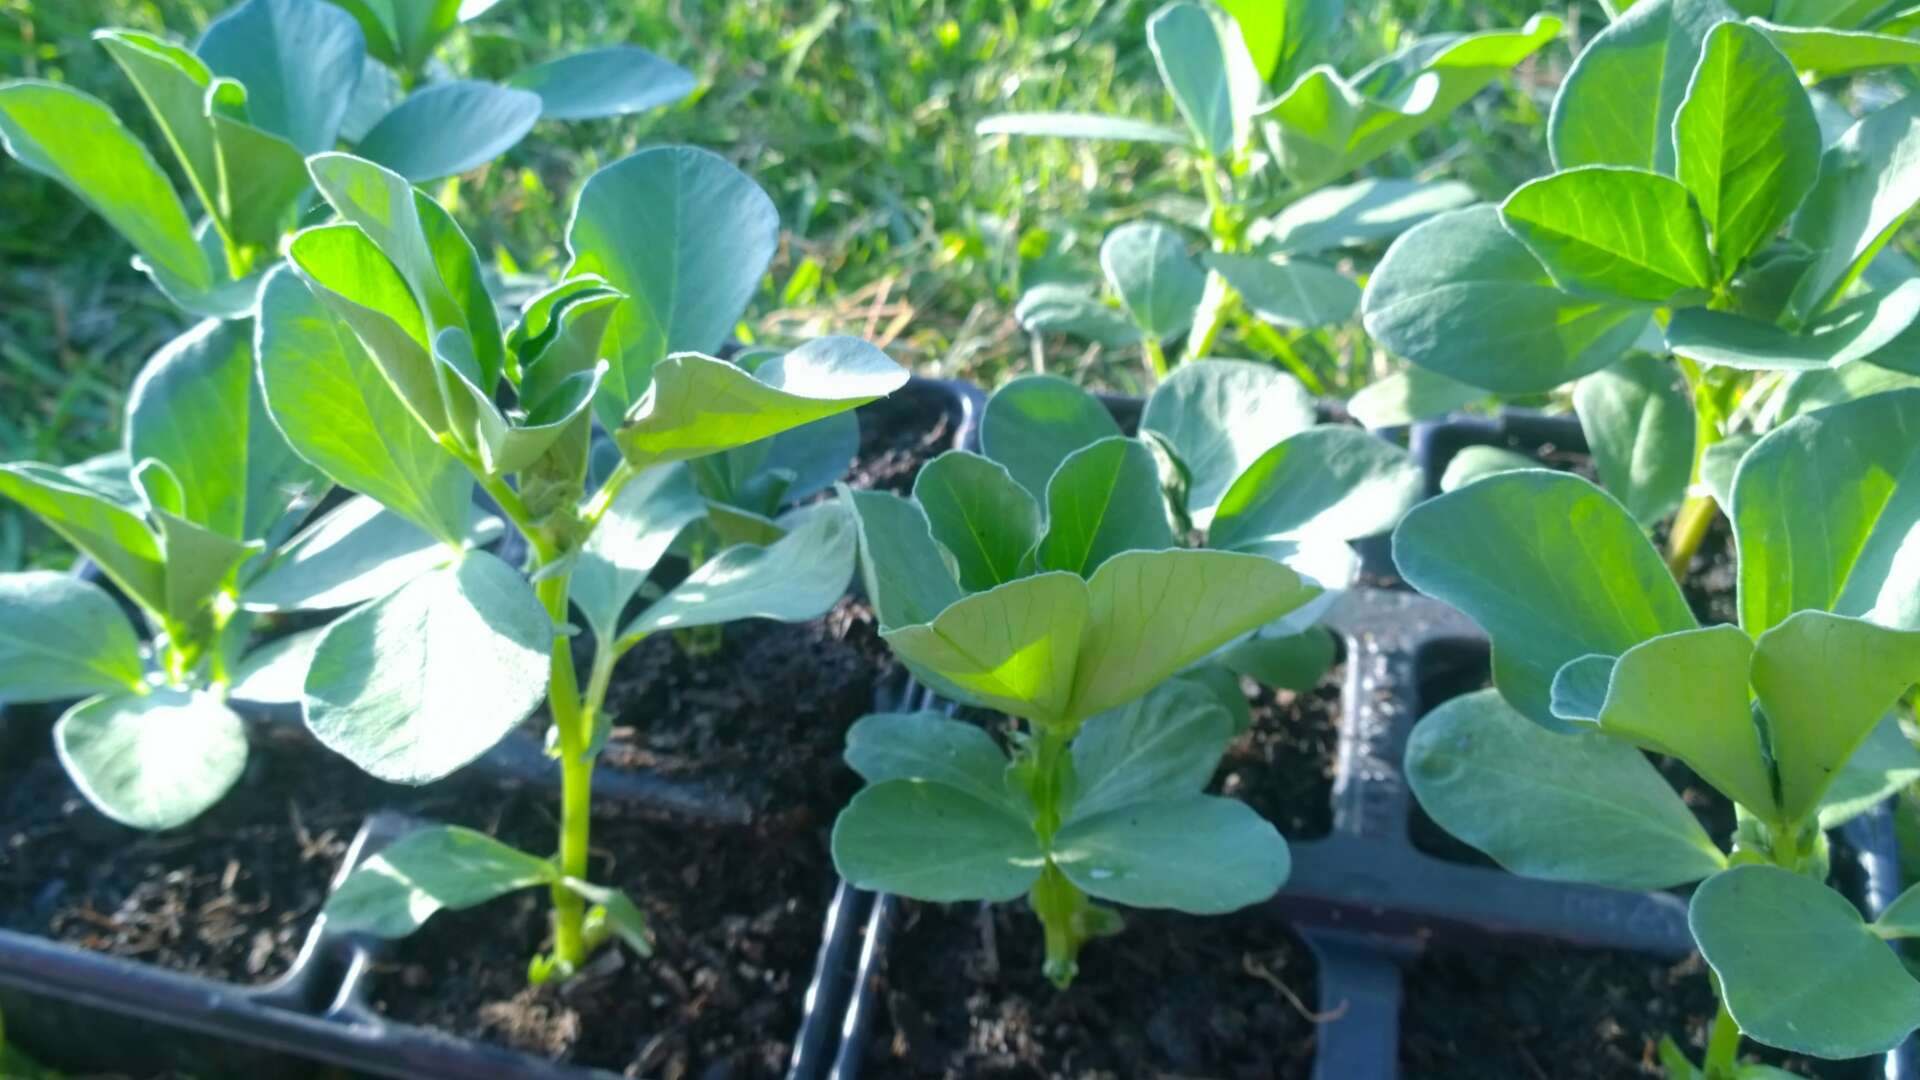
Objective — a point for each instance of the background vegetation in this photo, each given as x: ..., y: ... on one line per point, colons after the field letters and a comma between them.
x: 856, y: 115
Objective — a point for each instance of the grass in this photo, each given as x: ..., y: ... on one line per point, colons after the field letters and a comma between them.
x: 857, y: 117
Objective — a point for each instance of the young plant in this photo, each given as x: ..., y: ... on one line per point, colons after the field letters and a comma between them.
x: 1048, y: 580
x: 194, y: 524
x: 1790, y: 714
x: 1264, y: 166
x: 1660, y: 237
x: 269, y: 83
x: 383, y: 364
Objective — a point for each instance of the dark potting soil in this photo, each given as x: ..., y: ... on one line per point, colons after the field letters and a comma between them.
x: 898, y: 437
x: 962, y: 995
x: 1283, y: 764
x: 1560, y: 1013
x: 1713, y: 577
x: 229, y: 896
x: 735, y: 915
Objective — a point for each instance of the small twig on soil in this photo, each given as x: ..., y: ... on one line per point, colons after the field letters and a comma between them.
x: 989, y: 944
x: 1260, y: 971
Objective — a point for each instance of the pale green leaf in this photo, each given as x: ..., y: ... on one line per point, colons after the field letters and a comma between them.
x: 1363, y: 212
x: 1160, y: 748
x: 154, y: 760
x: 1869, y: 183
x: 1204, y: 62
x: 1220, y: 416
x: 1203, y: 855
x: 1617, y: 104
x: 1550, y: 566
x: 61, y: 637
x: 1080, y: 126
x: 449, y: 128
x: 929, y: 746
x: 796, y: 578
x: 613, y: 81
x: 1103, y: 500
x: 1613, y: 231
x: 298, y: 60
x: 1012, y: 648
x: 1799, y: 969
x: 1638, y: 420
x: 420, y: 682
x: 1460, y: 296
x: 983, y: 518
x: 1032, y: 423
x: 1156, y: 277
x: 931, y: 841
x: 1577, y: 807
x: 437, y: 868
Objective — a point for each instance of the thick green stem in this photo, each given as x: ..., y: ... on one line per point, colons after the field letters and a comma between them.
x: 1156, y: 358
x: 1691, y: 524
x: 1723, y: 1042
x: 572, y: 729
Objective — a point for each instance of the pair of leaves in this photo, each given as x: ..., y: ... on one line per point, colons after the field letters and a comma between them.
x: 1822, y: 684
x: 450, y: 868
x: 1052, y: 647
x: 1555, y: 569
x: 941, y: 819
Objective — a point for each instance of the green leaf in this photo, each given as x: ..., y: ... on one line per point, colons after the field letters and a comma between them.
x: 1798, y: 968
x: 1150, y: 269
x: 1460, y: 296
x: 1204, y: 62
x: 1219, y: 416
x: 1222, y: 687
x: 1748, y: 142
x: 614, y: 81
x: 686, y: 237
x: 1295, y: 662
x: 405, y: 32
x: 1406, y: 396
x: 1867, y: 326
x: 1282, y: 36
x: 449, y: 128
x: 195, y: 402
x: 174, y: 85
x: 1294, y: 293
x: 1031, y: 424
x: 698, y: 405
x: 61, y: 637
x: 263, y: 175
x: 1361, y: 213
x: 1140, y: 628
x: 1579, y: 807
x: 1613, y: 231
x: 1825, y: 681
x: 1617, y: 104
x: 930, y: 746
x: 1885, y: 764
x: 931, y: 841
x: 1638, y: 420
x: 638, y: 528
x: 1820, y: 53
x: 422, y: 681
x: 796, y: 578
x: 1080, y: 126
x: 1901, y: 919
x: 1060, y: 308
x: 617, y: 912
x: 1550, y: 566
x: 298, y: 60
x: 347, y: 271
x: 1869, y: 183
x: 1203, y: 855
x: 1325, y: 483
x: 976, y: 510
x: 338, y: 411
x: 1718, y: 464
x: 1685, y: 694
x: 199, y: 562
x: 153, y: 760
x: 76, y: 139
x: 1327, y: 126
x: 356, y: 552
x: 1103, y: 500
x: 1011, y: 648
x: 275, y: 673
x: 438, y: 868
x: 115, y: 538
x: 1160, y: 748
x: 1826, y: 515
x: 907, y: 579
x: 429, y: 251
x: 1477, y: 462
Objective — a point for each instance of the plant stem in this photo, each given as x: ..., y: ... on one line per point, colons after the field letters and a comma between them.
x: 1723, y: 1042
x: 1156, y: 358
x: 1273, y: 342
x: 570, y: 723
x: 1696, y: 514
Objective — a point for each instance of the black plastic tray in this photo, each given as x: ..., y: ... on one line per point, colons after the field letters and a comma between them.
x: 82, y: 1011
